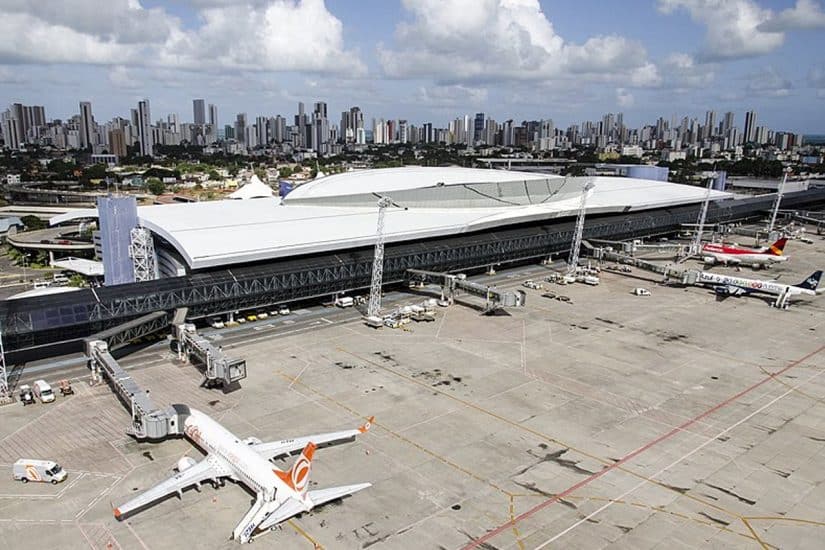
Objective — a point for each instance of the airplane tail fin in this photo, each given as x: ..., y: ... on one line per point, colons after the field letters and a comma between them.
x: 777, y: 248
x: 297, y: 478
x: 364, y: 428
x: 812, y: 282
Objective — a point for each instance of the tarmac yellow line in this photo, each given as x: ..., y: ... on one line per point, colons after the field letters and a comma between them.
x: 762, y: 543
x: 539, y: 434
x: 316, y: 545
x: 422, y: 448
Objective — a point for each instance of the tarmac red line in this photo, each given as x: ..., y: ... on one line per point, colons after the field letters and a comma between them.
x: 586, y: 481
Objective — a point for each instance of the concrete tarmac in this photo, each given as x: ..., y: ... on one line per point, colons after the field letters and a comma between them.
x: 608, y: 421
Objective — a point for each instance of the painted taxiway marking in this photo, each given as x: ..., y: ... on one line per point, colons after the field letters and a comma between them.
x: 573, y: 488
x: 687, y: 455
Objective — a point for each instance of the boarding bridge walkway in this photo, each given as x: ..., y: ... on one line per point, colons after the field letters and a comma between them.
x: 148, y: 422
x: 604, y: 254
x: 493, y: 297
x: 219, y: 369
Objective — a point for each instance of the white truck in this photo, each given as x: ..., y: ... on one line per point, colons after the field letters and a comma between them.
x: 344, y: 301
x: 27, y: 469
x: 43, y: 391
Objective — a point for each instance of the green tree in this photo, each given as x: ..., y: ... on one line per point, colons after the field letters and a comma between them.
x: 155, y: 186
x: 33, y: 222
x: 285, y: 172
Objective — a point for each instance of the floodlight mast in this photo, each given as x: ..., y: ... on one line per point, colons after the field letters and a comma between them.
x: 573, y: 261
x: 696, y: 245
x: 778, y: 199
x: 378, y: 261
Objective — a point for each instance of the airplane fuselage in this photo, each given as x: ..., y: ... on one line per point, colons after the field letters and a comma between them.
x: 732, y: 254
x: 247, y: 465
x: 751, y: 285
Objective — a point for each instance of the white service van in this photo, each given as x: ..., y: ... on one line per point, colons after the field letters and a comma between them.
x: 43, y: 391
x: 345, y: 301
x: 26, y: 470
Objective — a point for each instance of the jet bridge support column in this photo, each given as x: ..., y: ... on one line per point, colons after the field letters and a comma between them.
x: 219, y: 369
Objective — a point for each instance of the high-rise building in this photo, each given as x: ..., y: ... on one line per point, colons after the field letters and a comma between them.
x: 199, y: 112
x: 240, y: 127
x: 86, y: 125
x: 11, y: 131
x: 727, y: 124
x: 478, y: 128
x: 710, y: 124
x: 261, y: 134
x: 750, y: 127
x: 145, y: 137
x: 117, y: 143
x: 403, y: 131
x: 213, y: 115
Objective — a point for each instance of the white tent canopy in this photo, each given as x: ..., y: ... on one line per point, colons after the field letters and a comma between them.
x: 255, y: 189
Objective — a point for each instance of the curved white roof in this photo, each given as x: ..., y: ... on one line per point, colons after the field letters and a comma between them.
x: 383, y: 180
x: 217, y: 233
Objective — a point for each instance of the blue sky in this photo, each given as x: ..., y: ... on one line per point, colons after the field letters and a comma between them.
x: 423, y: 60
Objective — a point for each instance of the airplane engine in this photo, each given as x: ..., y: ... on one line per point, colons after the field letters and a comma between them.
x: 185, y: 463
x: 252, y: 441
x: 709, y: 260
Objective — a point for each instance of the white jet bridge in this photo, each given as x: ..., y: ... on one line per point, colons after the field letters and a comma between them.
x: 219, y: 369
x: 148, y: 422
x: 494, y: 298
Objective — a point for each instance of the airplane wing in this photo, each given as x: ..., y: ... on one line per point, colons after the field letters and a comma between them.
x: 277, y: 449
x: 293, y: 507
x: 207, y: 468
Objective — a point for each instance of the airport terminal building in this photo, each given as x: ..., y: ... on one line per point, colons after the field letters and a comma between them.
x: 340, y: 212
x: 224, y: 256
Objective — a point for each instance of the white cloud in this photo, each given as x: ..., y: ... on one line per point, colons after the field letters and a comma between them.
x: 806, y: 14
x: 11, y: 75
x: 682, y: 72
x: 121, y: 77
x: 461, y: 41
x: 624, y: 98
x: 816, y: 78
x: 452, y: 96
x: 253, y: 35
x: 122, y: 21
x: 733, y: 27
x: 768, y: 82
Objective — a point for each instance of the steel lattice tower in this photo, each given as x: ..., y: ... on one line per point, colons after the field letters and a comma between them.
x: 573, y: 261
x: 142, y: 251
x: 378, y: 261
x: 778, y: 200
x: 696, y: 245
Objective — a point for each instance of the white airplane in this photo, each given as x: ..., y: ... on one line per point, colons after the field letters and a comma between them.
x: 735, y: 255
x: 726, y: 285
x: 280, y: 495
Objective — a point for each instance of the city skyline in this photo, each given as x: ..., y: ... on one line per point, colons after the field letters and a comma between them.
x: 316, y: 133
x: 424, y: 60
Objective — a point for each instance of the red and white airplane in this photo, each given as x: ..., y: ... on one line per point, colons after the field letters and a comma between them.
x: 735, y: 255
x: 280, y: 495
